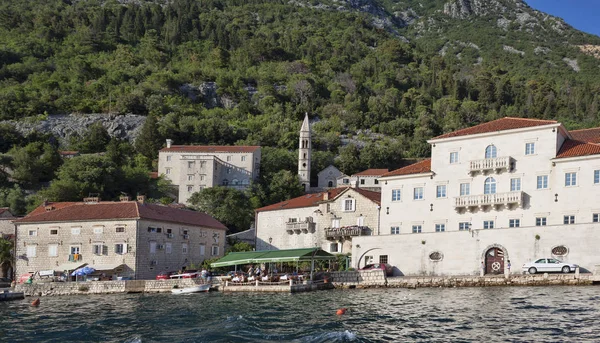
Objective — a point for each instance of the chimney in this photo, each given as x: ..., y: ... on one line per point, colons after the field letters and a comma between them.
x: 124, y: 198
x: 45, y: 202
x: 326, y: 195
x: 169, y: 143
x: 141, y: 199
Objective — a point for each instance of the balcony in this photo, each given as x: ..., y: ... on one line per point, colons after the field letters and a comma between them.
x: 75, y: 257
x: 300, y: 227
x: 480, y: 201
x: 347, y: 231
x: 487, y: 164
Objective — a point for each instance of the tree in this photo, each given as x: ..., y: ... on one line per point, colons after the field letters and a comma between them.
x: 228, y: 205
x: 94, y: 140
x: 284, y: 185
x: 235, y: 245
x: 149, y: 141
x: 36, y: 162
x: 348, y: 160
x: 6, y: 256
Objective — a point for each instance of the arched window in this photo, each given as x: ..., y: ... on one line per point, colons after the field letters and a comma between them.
x: 489, y: 186
x: 245, y: 182
x: 490, y: 151
x: 225, y: 182
x: 235, y: 182
x: 330, y: 183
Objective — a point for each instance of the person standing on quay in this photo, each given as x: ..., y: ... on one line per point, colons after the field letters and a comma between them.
x: 508, y: 267
x: 482, y: 269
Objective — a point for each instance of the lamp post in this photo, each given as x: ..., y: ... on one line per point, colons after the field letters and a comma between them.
x: 270, y: 240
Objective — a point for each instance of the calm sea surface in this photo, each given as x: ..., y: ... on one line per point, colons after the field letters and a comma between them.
x: 516, y: 314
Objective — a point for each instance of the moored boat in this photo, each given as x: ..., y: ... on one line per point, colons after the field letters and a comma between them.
x: 195, y: 289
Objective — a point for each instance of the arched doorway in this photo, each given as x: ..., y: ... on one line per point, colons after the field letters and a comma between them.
x: 494, y: 261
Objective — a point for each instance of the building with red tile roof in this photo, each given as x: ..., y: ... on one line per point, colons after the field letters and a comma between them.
x: 511, y: 187
x: 328, y: 219
x: 128, y: 238
x: 192, y: 168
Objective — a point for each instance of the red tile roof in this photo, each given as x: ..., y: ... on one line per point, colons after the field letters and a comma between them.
x: 310, y: 200
x: 68, y: 152
x: 573, y: 148
x: 79, y: 211
x: 415, y: 168
x: 502, y: 124
x: 587, y: 135
x: 372, y: 172
x: 4, y: 209
x: 211, y: 148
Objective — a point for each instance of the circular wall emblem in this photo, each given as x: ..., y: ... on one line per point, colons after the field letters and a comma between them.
x: 436, y: 256
x: 560, y: 250
x: 496, y: 266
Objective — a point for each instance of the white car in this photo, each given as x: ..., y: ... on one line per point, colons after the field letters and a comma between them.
x: 545, y: 265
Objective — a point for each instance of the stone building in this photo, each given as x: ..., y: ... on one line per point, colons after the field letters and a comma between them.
x: 194, y: 167
x: 329, y: 219
x: 128, y: 238
x: 366, y: 179
x: 327, y: 178
x: 511, y: 189
x: 7, y: 228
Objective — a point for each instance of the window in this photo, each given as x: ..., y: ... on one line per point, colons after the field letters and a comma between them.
x: 514, y: 222
x: 440, y: 227
x: 190, y: 189
x: 202, y: 177
x: 418, y: 193
x: 489, y: 187
x: 152, y: 247
x: 376, y: 181
x: 416, y: 228
x: 345, y: 181
x: 32, y: 232
x: 570, y: 179
x: 383, y: 259
x: 184, y: 248
x: 453, y: 157
x: 75, y: 249
x: 228, y: 158
x: 202, y: 249
x: 348, y: 205
x: 540, y: 221
x: 169, y: 158
x: 215, y: 250
x: 464, y: 226
x: 569, y: 219
x: 98, y: 230
x: 75, y: 230
x: 595, y: 218
x: 225, y: 182
x: 333, y: 247
x: 31, y: 250
x: 120, y: 248
x: 542, y: 181
x: 515, y: 185
x: 362, y: 181
x: 529, y: 148
x: 490, y: 152
x: 151, y: 229
x: 243, y: 158
x: 329, y: 183
x: 488, y: 224
x: 396, y: 194
x: 596, y: 176
x: 440, y: 191
x: 190, y: 164
x: 52, y: 250
x: 168, y: 248
x: 185, y: 232
x: 228, y: 170
x: 465, y: 189
x: 120, y: 229
x: 98, y: 249
x: 168, y: 171
x: 54, y: 232
x: 190, y: 177
x: 395, y: 230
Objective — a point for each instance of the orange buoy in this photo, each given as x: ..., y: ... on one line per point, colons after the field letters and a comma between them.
x: 341, y: 311
x: 36, y: 302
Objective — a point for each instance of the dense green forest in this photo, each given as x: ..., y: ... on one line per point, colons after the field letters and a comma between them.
x: 373, y: 98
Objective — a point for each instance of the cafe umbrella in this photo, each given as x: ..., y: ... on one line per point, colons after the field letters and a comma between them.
x: 83, y: 271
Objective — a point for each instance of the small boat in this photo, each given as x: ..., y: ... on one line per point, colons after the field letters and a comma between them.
x: 195, y: 289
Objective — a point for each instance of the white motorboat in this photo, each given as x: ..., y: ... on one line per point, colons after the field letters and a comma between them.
x: 195, y: 289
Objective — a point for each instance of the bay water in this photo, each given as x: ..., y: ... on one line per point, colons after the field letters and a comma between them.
x: 494, y: 314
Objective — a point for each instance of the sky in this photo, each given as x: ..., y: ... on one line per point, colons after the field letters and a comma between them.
x: 583, y: 15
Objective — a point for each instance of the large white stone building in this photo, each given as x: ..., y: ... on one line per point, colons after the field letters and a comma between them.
x: 511, y: 189
x: 329, y: 219
x: 194, y: 167
x: 128, y: 238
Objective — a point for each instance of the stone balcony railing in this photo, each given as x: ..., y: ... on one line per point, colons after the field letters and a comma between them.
x: 347, y: 231
x: 496, y: 164
x: 482, y: 200
x: 300, y: 227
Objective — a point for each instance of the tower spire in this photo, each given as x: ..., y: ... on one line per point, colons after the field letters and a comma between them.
x: 304, y: 153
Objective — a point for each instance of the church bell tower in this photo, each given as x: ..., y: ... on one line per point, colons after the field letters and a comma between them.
x: 304, y: 154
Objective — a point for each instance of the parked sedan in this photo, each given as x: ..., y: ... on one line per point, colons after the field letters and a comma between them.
x: 380, y: 266
x: 546, y: 265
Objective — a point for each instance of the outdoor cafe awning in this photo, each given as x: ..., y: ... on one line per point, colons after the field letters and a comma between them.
x: 106, y: 267
x: 266, y: 256
x: 70, y: 266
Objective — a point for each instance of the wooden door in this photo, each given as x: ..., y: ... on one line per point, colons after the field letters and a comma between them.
x: 494, y: 261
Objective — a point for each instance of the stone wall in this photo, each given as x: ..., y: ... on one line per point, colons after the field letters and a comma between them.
x: 359, y: 278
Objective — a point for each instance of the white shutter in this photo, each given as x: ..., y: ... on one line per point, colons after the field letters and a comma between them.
x: 124, y: 248
x: 202, y: 249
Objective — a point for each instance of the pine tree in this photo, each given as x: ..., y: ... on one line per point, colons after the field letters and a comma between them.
x: 149, y: 140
